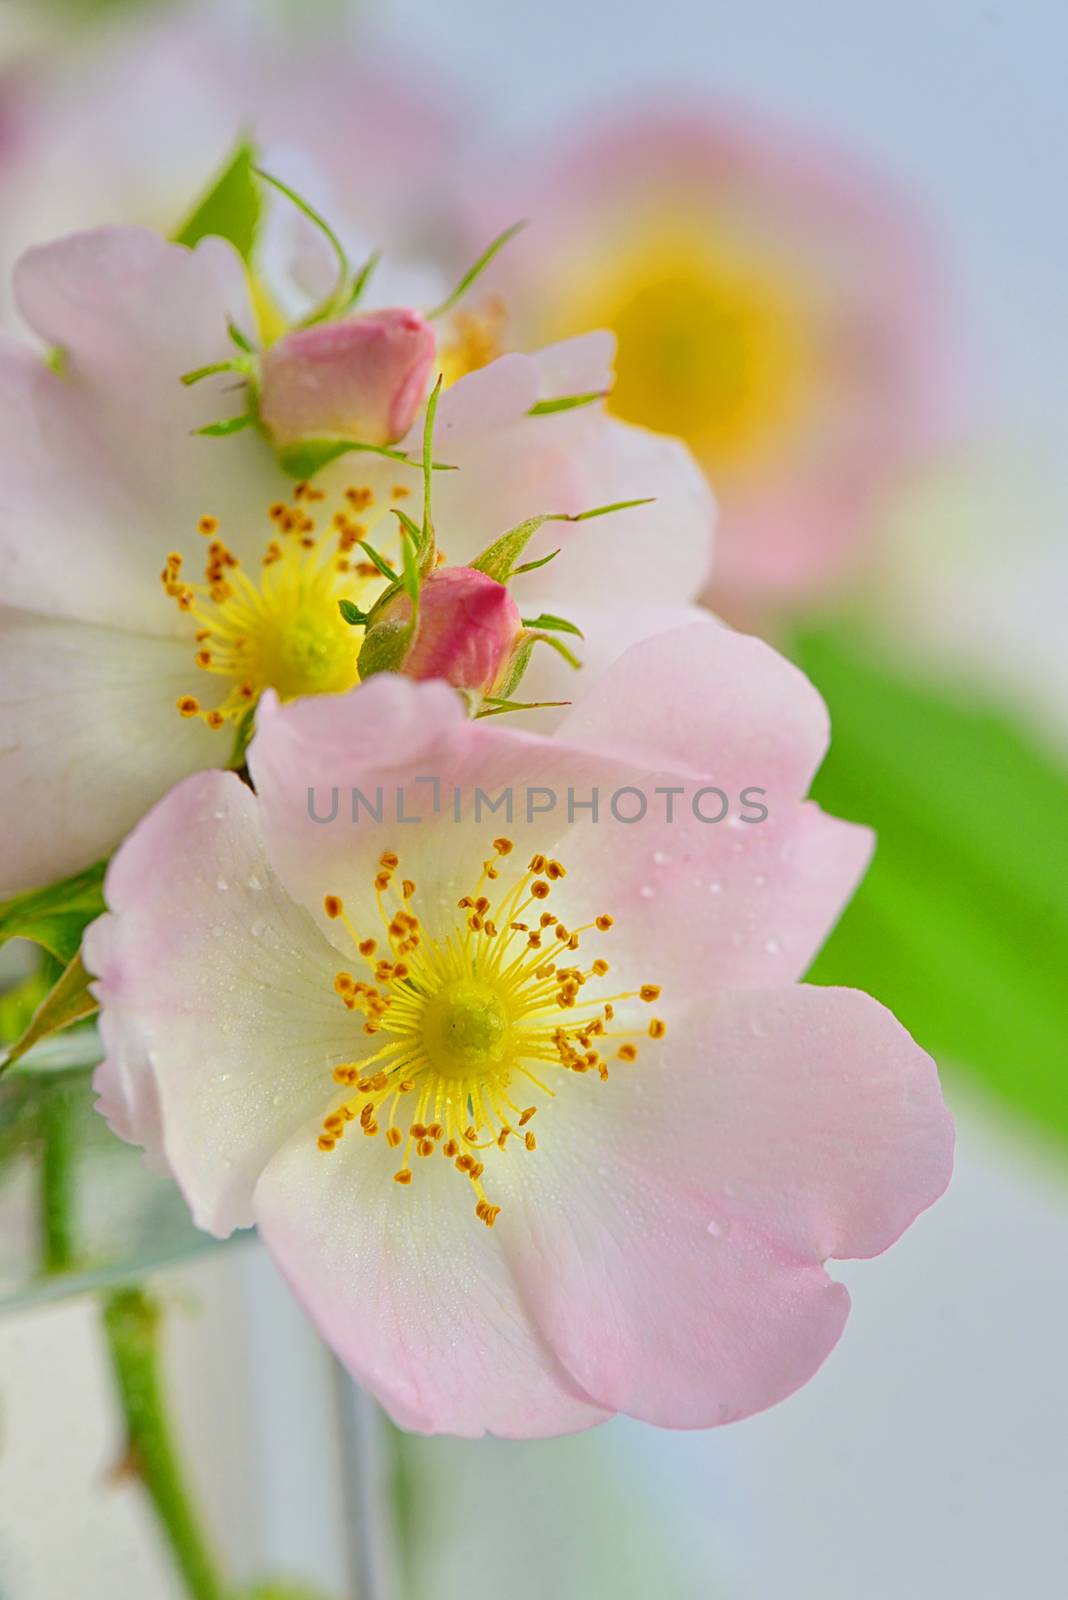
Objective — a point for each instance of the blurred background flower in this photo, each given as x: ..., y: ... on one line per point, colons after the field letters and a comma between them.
x: 909, y: 546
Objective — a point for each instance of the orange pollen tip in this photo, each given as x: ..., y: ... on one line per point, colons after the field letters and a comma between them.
x: 189, y: 705
x: 333, y: 905
x: 649, y: 992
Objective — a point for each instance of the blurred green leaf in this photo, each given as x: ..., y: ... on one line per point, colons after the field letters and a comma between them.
x: 961, y: 925
x: 231, y: 207
x: 66, y: 1003
x: 56, y: 917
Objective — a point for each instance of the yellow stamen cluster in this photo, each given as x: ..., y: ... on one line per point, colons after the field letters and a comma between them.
x: 474, y: 1021
x: 285, y: 631
x: 473, y: 340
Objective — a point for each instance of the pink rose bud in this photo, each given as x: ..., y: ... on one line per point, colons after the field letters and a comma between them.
x: 468, y: 627
x: 361, y: 378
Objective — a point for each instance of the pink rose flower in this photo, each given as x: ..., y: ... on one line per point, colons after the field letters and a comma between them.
x: 534, y: 1114
x: 776, y: 306
x: 364, y: 378
x: 146, y: 571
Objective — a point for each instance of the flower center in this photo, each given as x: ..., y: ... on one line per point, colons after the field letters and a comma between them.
x: 475, y: 1021
x: 466, y: 1029
x: 284, y: 631
x: 714, y: 341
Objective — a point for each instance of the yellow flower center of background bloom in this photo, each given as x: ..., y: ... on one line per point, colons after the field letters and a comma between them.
x: 284, y: 631
x: 475, y: 1022
x: 715, y: 338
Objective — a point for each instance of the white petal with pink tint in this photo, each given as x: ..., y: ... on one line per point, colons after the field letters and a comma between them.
x: 91, y: 740
x: 218, y: 992
x: 676, y: 1266
x: 414, y: 1295
x: 757, y: 719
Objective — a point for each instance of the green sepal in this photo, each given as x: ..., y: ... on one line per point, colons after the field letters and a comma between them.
x: 554, y: 624
x: 230, y: 209
x: 238, y: 338
x: 566, y: 402
x: 474, y: 272
x: 427, y: 543
x: 410, y: 574
x: 229, y: 425
x: 246, y: 727
x: 961, y: 924
x: 499, y: 559
x: 532, y: 566
x: 359, y: 283
x: 302, y: 461
x: 558, y: 645
x: 385, y: 647
x: 67, y: 1002
x: 378, y: 561
x: 352, y: 614
x: 56, y: 917
x: 497, y: 708
x: 338, y: 295
x: 189, y: 378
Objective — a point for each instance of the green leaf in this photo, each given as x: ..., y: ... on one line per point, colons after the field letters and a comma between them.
x: 352, y: 614
x: 231, y: 207
x: 566, y: 402
x: 56, y: 917
x: 68, y: 1002
x: 558, y: 624
x: 476, y: 270
x: 961, y: 925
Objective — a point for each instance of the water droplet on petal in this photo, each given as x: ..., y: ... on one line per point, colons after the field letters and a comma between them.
x: 647, y: 892
x: 772, y: 946
x: 718, y: 1229
x: 221, y: 884
x: 715, y: 887
x: 661, y: 858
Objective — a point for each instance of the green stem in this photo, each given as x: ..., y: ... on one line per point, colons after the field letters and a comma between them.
x: 57, y: 1179
x: 131, y: 1325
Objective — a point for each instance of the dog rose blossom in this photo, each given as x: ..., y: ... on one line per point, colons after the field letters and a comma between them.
x: 156, y: 583
x: 532, y: 1111
x: 776, y: 306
